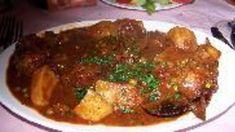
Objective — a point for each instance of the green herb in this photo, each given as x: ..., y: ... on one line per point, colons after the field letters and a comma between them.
x: 121, y: 73
x: 97, y: 60
x: 125, y: 72
x: 126, y: 110
x: 80, y: 93
x: 153, y: 97
x: 150, y: 6
x: 177, y: 95
x: 150, y: 80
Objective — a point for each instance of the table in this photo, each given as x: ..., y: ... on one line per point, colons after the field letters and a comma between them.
x: 202, y: 14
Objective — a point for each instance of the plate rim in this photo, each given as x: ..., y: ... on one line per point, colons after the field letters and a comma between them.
x: 132, y: 7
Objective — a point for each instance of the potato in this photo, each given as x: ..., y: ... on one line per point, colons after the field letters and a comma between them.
x: 183, y: 38
x: 93, y: 107
x: 43, y: 83
x: 119, y: 95
x: 213, y: 52
x: 106, y: 90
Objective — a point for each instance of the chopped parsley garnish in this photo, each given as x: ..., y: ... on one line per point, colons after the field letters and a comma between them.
x: 80, y: 93
x: 121, y: 73
x: 140, y: 72
x: 150, y: 80
x: 97, y: 60
x: 177, y: 95
x: 126, y: 110
x: 153, y: 97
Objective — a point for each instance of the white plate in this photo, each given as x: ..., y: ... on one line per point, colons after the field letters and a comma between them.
x: 136, y: 7
x: 221, y: 100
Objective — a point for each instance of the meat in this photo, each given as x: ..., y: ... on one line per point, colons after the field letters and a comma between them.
x: 154, y: 43
x: 80, y: 75
x: 167, y: 109
x: 191, y: 84
x: 198, y: 107
x: 125, y: 28
x: 183, y: 38
x: 191, y: 74
x: 130, y: 28
x: 28, y: 63
x: 207, y: 52
x: 31, y: 53
x: 103, y: 29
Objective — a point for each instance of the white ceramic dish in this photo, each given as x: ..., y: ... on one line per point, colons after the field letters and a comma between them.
x: 135, y: 7
x: 221, y: 101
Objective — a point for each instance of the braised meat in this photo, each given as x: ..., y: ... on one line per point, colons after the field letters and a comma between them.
x: 114, y: 73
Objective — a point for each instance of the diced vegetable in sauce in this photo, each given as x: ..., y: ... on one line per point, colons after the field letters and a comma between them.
x: 43, y: 83
x: 93, y: 107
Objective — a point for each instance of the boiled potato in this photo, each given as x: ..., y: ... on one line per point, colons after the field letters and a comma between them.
x: 119, y: 95
x: 93, y: 107
x: 213, y: 52
x: 106, y: 90
x: 183, y: 38
x: 43, y: 83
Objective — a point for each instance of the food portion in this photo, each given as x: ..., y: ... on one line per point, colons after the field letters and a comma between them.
x: 151, y: 5
x: 93, y: 107
x: 114, y: 73
x: 43, y: 83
